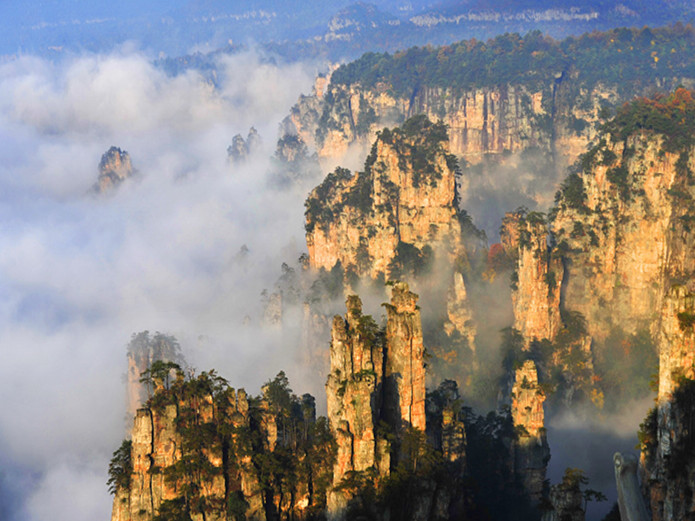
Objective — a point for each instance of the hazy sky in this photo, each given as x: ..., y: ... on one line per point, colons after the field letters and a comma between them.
x: 174, y: 27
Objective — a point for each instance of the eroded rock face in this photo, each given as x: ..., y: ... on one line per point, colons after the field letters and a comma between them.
x: 353, y: 393
x: 272, y: 309
x: 676, y: 340
x: 531, y: 451
x: 536, y: 291
x: 403, y: 202
x: 459, y: 312
x: 630, y: 501
x: 482, y: 121
x: 405, y: 365
x: 668, y: 452
x: 241, y: 149
x: 158, y: 446
x: 114, y: 168
x: 621, y: 228
x: 378, y: 376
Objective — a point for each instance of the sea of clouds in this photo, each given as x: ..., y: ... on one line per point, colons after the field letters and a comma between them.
x: 79, y: 273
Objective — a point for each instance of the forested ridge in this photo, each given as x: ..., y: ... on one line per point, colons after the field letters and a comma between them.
x: 626, y: 57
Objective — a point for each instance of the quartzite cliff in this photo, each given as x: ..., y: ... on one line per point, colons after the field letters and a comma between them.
x: 401, y: 204
x: 611, y: 264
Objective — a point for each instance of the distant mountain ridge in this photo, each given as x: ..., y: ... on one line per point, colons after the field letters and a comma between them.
x: 294, y: 29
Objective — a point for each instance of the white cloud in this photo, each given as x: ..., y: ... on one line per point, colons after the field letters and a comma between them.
x: 79, y: 274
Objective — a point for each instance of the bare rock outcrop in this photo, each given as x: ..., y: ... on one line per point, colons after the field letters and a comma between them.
x: 537, y: 278
x: 404, y: 377
x: 668, y: 451
x: 623, y: 227
x: 531, y: 450
x: 353, y: 392
x: 114, y: 168
x: 403, y: 205
x: 459, y: 313
x: 377, y: 376
x: 241, y: 149
x: 171, y: 472
x: 630, y: 500
x: 483, y: 121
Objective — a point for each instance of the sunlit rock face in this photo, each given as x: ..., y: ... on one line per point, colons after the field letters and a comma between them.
x: 667, y: 432
x: 623, y: 227
x: 617, y: 241
x: 158, y: 447
x: 114, y: 168
x: 536, y: 288
x: 406, y: 195
x: 353, y: 393
x: 399, y: 218
x: 199, y: 449
x: 623, y: 231
x: 531, y: 451
x: 485, y: 121
x: 405, y: 365
x: 377, y: 376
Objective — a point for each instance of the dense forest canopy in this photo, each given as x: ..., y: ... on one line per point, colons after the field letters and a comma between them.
x: 673, y: 116
x: 620, y: 56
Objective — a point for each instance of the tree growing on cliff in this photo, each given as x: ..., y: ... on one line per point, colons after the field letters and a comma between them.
x: 120, y: 468
x: 159, y: 374
x: 575, y: 479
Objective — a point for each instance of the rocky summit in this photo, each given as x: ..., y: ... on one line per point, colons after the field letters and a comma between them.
x: 114, y: 168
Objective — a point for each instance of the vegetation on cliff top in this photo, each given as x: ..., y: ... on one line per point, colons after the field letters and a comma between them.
x: 212, y: 426
x: 622, y: 57
x: 420, y: 146
x: 672, y: 116
x: 120, y: 467
x: 277, y: 444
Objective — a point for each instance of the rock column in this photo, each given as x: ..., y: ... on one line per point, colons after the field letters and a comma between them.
x: 352, y: 395
x: 531, y: 452
x: 405, y: 366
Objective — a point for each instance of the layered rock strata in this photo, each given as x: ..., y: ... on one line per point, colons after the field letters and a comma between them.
x: 482, y: 121
x: 160, y: 449
x: 531, y: 450
x: 537, y: 276
x: 403, y: 202
x: 353, y: 392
